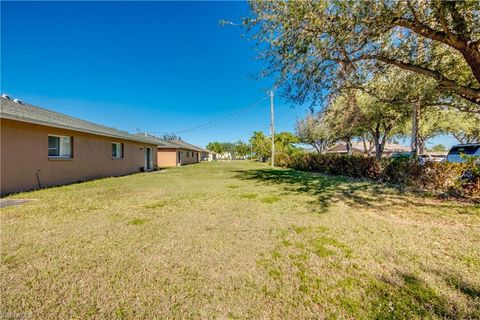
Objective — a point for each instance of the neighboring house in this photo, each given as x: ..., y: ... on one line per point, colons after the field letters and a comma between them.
x: 171, y: 153
x: 341, y: 148
x: 225, y: 156
x: 359, y: 148
x: 188, y: 152
x: 207, y: 155
x: 41, y: 148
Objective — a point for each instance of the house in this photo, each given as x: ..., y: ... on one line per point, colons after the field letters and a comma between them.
x: 341, y: 148
x: 359, y: 148
x: 41, y: 148
x: 225, y: 156
x: 207, y: 155
x: 171, y: 153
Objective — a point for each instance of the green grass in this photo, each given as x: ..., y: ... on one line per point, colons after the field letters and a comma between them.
x: 238, y: 240
x: 270, y: 199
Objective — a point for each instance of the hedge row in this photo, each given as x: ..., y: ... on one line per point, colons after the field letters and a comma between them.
x: 452, y: 179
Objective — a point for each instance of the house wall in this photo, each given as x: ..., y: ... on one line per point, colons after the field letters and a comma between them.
x: 189, y: 156
x: 24, y: 157
x: 166, y: 157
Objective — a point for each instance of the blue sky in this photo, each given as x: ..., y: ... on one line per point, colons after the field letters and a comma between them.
x: 156, y: 66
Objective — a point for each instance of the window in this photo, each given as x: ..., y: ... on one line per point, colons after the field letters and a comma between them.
x: 188, y: 154
x: 117, y: 150
x: 60, y: 146
x: 455, y: 154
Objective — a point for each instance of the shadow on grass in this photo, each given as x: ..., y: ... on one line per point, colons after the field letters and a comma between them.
x: 330, y: 189
x: 468, y: 289
x: 296, y: 181
x: 356, y: 293
x: 413, y: 298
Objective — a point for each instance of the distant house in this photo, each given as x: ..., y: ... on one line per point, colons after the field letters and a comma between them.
x: 207, y: 155
x: 41, y: 148
x: 171, y: 153
x: 359, y: 148
x: 341, y: 148
x: 225, y: 156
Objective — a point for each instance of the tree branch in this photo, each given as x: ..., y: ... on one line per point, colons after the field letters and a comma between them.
x: 428, y: 32
x: 470, y: 94
x: 453, y: 105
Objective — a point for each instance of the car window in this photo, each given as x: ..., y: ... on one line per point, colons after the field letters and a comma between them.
x: 470, y: 150
x: 455, y: 154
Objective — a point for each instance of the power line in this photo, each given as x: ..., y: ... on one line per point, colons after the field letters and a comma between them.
x: 279, y: 120
x: 218, y: 121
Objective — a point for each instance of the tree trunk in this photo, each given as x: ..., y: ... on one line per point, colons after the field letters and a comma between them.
x: 472, y: 57
x: 381, y: 147
x: 421, y: 146
x: 376, y: 140
x: 349, y: 146
x: 317, y: 147
x: 415, y: 125
x: 365, y: 146
x: 459, y: 137
x: 378, y: 151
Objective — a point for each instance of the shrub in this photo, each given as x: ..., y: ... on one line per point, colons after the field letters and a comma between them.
x: 334, y: 164
x: 454, y: 179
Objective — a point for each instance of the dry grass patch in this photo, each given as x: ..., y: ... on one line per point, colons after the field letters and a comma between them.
x: 186, y: 244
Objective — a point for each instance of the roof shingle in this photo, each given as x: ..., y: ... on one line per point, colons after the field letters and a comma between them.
x: 29, y: 113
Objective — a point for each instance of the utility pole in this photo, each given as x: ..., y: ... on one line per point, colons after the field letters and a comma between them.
x: 272, y: 127
x: 414, y: 139
x: 415, y: 145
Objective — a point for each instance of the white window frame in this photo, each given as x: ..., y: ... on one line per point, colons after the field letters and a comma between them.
x: 121, y: 150
x: 60, y: 148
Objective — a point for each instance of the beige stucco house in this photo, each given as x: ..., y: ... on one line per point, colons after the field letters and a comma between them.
x: 358, y: 148
x: 172, y: 153
x: 207, y: 155
x: 41, y: 148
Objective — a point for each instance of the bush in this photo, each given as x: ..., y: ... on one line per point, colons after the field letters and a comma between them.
x: 334, y: 164
x: 453, y: 179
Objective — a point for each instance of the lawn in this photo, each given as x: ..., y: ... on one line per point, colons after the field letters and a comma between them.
x: 238, y: 240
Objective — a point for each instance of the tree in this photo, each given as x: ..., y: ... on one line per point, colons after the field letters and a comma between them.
x: 465, y: 127
x: 343, y: 118
x: 432, y: 122
x: 380, y: 120
x: 171, y: 136
x: 260, y: 145
x: 313, y: 130
x: 216, y: 147
x: 376, y: 119
x: 242, y: 149
x: 315, y: 47
x: 285, y: 143
x: 438, y: 148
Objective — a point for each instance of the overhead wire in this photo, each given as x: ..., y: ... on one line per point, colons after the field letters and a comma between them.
x: 221, y: 120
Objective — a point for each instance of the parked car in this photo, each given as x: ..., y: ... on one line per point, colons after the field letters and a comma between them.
x: 408, y: 155
x: 456, y: 152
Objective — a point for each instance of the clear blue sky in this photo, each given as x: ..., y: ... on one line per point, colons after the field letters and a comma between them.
x: 157, y: 66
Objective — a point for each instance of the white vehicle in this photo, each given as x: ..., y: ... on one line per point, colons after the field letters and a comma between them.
x: 456, y: 152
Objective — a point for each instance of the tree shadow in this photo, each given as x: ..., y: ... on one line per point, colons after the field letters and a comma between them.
x: 297, y: 182
x: 331, y: 189
x: 412, y: 298
x: 459, y: 284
